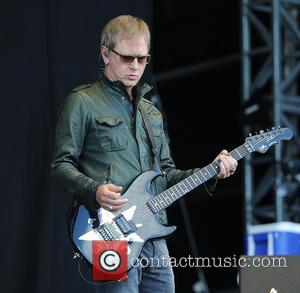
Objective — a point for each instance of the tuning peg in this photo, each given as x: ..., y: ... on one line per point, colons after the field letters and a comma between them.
x: 261, y: 131
x: 273, y: 128
x: 267, y: 129
x: 250, y: 134
x: 279, y: 127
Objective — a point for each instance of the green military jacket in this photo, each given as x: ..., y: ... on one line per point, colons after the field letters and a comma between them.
x: 101, y: 138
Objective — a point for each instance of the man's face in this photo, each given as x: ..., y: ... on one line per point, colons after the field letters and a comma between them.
x: 118, y: 69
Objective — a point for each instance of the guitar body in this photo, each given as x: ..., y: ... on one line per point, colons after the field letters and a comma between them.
x: 145, y: 223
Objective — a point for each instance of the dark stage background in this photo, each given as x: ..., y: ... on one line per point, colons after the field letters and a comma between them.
x: 47, y: 48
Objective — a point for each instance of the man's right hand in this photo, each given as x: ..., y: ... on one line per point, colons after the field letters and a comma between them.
x: 108, y: 196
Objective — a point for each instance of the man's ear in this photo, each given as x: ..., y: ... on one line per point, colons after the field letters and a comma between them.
x: 104, y: 54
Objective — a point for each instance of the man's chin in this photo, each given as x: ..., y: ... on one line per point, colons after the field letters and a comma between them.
x: 131, y: 83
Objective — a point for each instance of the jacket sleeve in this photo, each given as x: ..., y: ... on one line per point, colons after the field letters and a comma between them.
x: 175, y: 175
x: 72, y: 125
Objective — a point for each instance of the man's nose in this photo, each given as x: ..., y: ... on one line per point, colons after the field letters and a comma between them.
x: 135, y: 64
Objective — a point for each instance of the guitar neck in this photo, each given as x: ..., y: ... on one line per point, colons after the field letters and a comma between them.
x: 166, y: 198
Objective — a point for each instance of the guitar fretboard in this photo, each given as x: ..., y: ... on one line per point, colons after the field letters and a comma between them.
x: 166, y: 198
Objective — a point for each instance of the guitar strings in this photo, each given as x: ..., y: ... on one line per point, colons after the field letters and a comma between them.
x: 144, y: 211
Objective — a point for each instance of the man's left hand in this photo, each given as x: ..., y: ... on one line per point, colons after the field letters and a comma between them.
x: 228, y: 164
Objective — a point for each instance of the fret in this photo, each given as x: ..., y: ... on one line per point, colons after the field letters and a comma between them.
x: 167, y: 199
x: 191, y: 186
x: 234, y: 154
x: 176, y: 189
x: 237, y: 151
x: 162, y: 204
x: 171, y: 193
x: 169, y: 203
x: 162, y: 201
x: 158, y: 205
x: 201, y: 176
x: 212, y: 170
x: 198, y: 174
x: 180, y: 186
x: 244, y: 150
x: 206, y: 169
x: 192, y: 179
x: 204, y: 174
x: 197, y: 179
x: 216, y: 167
x: 167, y: 196
x: 184, y: 189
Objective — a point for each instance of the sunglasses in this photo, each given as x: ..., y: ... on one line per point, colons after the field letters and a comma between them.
x: 129, y: 59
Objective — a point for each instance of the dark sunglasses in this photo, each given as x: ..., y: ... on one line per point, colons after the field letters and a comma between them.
x: 129, y: 59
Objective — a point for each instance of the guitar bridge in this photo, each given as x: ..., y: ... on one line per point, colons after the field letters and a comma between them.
x: 125, y: 226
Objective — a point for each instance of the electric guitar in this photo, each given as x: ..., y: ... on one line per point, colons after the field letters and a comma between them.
x: 138, y: 220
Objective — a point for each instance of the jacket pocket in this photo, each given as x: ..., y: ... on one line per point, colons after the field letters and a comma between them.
x: 112, y: 134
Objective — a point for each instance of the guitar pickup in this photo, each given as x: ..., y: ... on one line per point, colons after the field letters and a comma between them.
x: 126, y: 227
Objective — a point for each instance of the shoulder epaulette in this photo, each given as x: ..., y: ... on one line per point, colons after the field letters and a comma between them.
x: 81, y: 87
x: 148, y: 101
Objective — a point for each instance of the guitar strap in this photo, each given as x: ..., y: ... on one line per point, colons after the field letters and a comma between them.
x: 151, y: 136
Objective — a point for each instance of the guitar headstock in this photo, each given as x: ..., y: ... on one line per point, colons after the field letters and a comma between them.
x: 264, y: 140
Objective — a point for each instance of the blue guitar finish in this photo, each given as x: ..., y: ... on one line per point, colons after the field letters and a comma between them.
x: 148, y: 223
x: 138, y: 220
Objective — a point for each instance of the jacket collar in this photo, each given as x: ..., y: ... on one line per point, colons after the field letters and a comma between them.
x: 119, y: 88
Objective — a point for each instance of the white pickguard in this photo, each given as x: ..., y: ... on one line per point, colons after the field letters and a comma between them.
x: 105, y: 217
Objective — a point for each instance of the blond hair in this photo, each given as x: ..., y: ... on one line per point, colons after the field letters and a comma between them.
x: 124, y: 26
